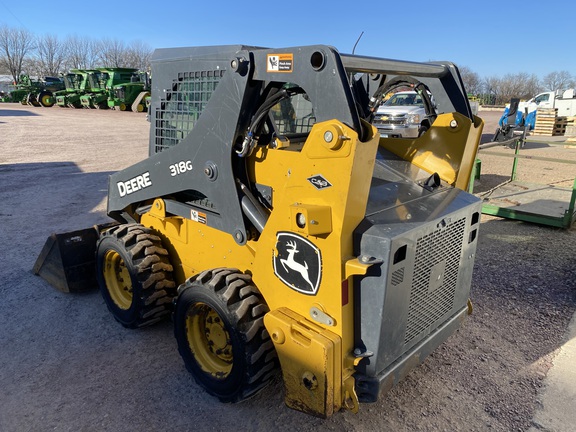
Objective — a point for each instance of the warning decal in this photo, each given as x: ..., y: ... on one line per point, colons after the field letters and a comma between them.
x: 280, y: 63
x: 197, y: 216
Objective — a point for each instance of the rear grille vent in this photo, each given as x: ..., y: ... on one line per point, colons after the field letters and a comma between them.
x: 435, y: 277
x: 397, y: 277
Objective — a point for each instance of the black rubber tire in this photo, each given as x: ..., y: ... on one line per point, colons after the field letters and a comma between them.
x: 422, y: 130
x: 240, y: 306
x: 152, y: 288
x: 31, y: 100
x: 41, y: 99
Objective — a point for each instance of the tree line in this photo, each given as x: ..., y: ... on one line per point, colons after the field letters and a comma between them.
x: 48, y: 55
x: 496, y: 90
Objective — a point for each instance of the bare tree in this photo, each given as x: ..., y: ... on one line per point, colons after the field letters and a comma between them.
x: 510, y: 86
x: 490, y: 89
x: 138, y: 55
x: 532, y: 87
x: 521, y: 85
x: 16, y: 45
x: 115, y: 53
x: 112, y: 53
x: 557, y: 80
x: 51, y: 54
x: 32, y: 67
x: 3, y: 67
x: 82, y: 53
x: 472, y: 82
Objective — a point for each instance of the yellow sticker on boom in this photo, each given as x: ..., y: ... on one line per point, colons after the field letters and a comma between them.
x: 280, y: 63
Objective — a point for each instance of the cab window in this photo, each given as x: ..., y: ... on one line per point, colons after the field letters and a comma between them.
x: 542, y: 98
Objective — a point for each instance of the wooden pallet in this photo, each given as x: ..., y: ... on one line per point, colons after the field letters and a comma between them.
x: 549, y: 124
x: 570, y: 127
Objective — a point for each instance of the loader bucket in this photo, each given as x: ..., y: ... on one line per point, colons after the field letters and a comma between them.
x: 67, y: 260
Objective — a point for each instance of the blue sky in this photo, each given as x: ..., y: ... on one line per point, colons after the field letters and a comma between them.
x: 492, y: 38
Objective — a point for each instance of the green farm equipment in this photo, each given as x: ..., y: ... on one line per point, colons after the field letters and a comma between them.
x: 36, y: 93
x: 15, y: 95
x: 131, y: 95
x: 72, y: 81
x: 77, y: 84
x: 102, y: 82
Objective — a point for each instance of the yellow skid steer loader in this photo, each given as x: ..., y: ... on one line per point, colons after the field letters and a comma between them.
x: 280, y: 230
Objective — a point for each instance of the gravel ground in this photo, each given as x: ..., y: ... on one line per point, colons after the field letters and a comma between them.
x: 68, y: 366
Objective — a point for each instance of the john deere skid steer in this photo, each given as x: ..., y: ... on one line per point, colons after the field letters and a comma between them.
x: 280, y: 230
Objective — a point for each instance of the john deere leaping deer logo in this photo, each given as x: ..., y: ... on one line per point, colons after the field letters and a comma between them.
x: 298, y: 263
x: 294, y: 265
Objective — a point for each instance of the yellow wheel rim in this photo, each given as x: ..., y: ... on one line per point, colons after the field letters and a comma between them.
x: 117, y: 278
x: 122, y: 107
x: 209, y: 341
x: 45, y: 101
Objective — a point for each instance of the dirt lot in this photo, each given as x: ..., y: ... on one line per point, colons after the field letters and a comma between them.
x: 66, y: 365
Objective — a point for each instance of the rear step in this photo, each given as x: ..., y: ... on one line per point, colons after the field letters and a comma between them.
x: 68, y: 260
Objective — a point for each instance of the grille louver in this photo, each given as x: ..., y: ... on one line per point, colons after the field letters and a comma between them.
x: 440, y: 249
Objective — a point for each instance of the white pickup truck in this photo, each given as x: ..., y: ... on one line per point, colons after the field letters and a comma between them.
x: 566, y: 104
x: 402, y: 116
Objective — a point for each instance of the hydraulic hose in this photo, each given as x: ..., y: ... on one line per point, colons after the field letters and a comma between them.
x: 252, y: 208
x: 250, y: 139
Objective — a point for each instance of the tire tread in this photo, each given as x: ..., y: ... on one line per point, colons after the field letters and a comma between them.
x: 246, y: 304
x: 153, y: 273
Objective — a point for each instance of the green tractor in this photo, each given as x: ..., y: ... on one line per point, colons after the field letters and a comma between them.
x: 35, y: 93
x: 132, y: 95
x: 102, y: 82
x: 77, y: 84
x: 14, y: 95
